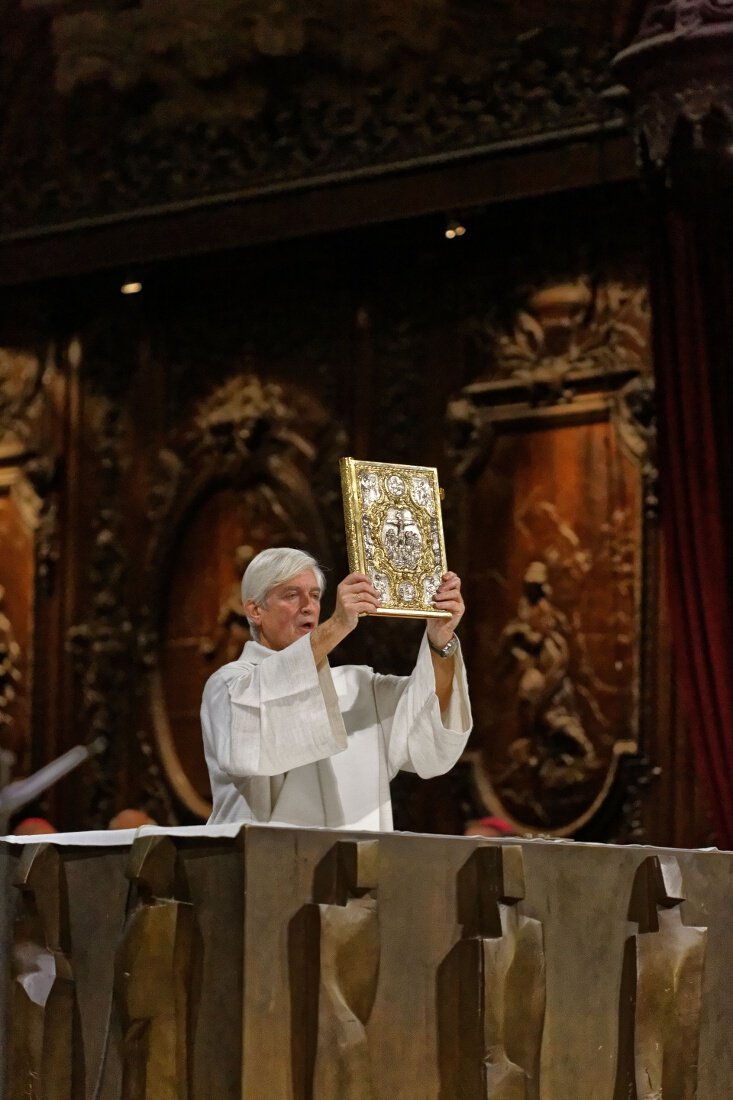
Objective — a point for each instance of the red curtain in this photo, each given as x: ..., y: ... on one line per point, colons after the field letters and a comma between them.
x: 692, y: 305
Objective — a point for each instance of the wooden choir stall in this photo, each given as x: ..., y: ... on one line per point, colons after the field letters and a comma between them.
x: 266, y: 962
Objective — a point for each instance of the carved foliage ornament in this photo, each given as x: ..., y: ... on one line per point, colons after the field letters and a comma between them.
x: 567, y: 328
x: 563, y: 338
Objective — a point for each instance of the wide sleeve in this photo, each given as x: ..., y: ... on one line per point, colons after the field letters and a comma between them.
x: 278, y: 714
x: 417, y: 736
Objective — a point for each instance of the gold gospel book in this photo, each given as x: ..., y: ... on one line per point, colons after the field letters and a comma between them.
x: 394, y: 533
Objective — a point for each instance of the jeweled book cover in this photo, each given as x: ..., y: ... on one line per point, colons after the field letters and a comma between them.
x: 394, y: 533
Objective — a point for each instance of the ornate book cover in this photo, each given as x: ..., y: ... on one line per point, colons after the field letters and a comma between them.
x: 394, y: 533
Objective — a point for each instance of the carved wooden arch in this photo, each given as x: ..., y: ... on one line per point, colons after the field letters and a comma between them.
x: 279, y: 447
x: 558, y: 708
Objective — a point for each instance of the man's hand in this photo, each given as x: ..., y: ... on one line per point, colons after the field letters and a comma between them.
x: 355, y: 595
x: 447, y: 598
x: 440, y: 631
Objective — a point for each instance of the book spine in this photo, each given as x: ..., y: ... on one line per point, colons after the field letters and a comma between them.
x: 354, y: 539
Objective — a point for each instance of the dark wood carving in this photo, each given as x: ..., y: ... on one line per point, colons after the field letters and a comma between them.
x: 660, y: 1002
x: 45, y: 1054
x: 491, y: 987
x: 334, y: 967
x: 162, y: 109
x: 157, y: 971
x: 556, y: 445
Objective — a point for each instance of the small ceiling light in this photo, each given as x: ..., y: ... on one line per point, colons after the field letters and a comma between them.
x: 454, y: 228
x: 131, y: 288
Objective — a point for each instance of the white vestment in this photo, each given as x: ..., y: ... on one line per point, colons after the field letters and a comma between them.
x: 289, y: 743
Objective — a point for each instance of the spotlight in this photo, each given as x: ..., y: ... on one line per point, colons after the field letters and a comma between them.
x: 454, y: 228
x: 131, y: 288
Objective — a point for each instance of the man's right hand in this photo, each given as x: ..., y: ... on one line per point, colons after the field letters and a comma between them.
x: 354, y: 596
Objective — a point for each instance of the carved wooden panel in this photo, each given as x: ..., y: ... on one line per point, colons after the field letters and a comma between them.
x: 428, y: 966
x: 557, y: 692
x: 557, y: 470
x: 500, y: 970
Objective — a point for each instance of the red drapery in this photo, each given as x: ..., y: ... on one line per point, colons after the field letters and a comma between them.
x: 692, y: 304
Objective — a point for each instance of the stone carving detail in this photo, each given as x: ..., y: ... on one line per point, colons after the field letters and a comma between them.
x: 491, y: 987
x: 334, y: 964
x: 343, y: 89
x: 45, y: 1056
x: 660, y: 1004
x: 157, y: 975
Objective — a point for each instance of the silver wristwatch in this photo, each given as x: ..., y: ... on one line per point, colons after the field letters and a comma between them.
x: 448, y: 649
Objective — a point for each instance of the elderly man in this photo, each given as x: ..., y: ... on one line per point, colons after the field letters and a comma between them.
x: 289, y: 740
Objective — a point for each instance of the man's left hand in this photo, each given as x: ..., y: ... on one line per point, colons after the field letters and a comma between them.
x: 447, y: 598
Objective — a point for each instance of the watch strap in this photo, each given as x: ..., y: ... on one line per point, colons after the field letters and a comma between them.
x: 447, y: 650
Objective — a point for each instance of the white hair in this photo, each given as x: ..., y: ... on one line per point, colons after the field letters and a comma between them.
x: 272, y: 567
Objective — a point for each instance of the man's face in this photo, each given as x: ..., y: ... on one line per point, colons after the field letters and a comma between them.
x: 290, y: 610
